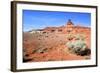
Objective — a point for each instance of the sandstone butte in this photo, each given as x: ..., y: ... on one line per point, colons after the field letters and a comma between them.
x: 49, y: 44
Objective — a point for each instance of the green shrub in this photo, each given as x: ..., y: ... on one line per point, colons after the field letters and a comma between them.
x: 70, y: 36
x: 76, y: 46
x: 70, y: 45
x: 40, y: 50
x: 79, y: 36
x: 79, y: 45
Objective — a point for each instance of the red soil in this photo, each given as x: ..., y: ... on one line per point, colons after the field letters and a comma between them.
x: 51, y: 45
x: 54, y: 45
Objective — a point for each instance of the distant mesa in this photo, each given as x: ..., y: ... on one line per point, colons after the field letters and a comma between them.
x: 69, y: 27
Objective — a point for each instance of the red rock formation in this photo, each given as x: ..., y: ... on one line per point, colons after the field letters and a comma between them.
x: 50, y: 44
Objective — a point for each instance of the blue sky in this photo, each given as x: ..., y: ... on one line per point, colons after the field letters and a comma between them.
x: 33, y: 19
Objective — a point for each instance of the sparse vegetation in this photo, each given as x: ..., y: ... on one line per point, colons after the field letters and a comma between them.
x: 70, y: 36
x: 80, y: 37
x: 78, y: 46
x: 40, y: 50
x: 51, y: 46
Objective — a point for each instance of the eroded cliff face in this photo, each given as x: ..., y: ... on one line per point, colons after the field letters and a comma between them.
x: 49, y: 44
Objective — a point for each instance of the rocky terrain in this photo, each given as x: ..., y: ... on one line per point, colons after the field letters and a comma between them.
x: 49, y: 47
x: 67, y: 42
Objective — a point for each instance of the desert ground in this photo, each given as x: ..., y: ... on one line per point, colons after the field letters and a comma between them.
x: 41, y: 47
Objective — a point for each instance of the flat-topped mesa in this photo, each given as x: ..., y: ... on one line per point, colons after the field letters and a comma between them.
x: 69, y: 24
